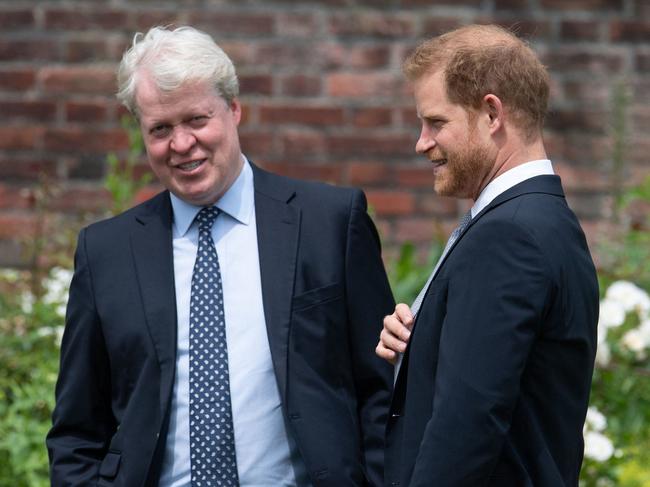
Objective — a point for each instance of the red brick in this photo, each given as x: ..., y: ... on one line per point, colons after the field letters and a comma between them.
x: 143, y: 21
x: 17, y: 225
x: 86, y: 50
x: 20, y: 137
x: 253, y: 143
x: 27, y: 110
x: 525, y: 29
x: 511, y: 5
x: 374, y: 145
x: 309, y: 115
x: 17, y: 79
x: 255, y: 84
x: 582, y: 178
x: 80, y: 111
x: 580, y: 30
x: 361, y: 85
x: 582, y: 60
x: 374, y: 24
x: 241, y: 53
x: 429, y: 203
x: 589, y: 91
x: 301, y: 85
x: 81, y: 199
x: 630, y: 31
x: 16, y: 19
x: 415, y: 177
x: 328, y: 173
x: 642, y: 62
x: 582, y: 4
x: 428, y: 3
x: 227, y: 23
x: 357, y: 57
x: 297, y: 24
x: 417, y: 230
x: 291, y: 55
x: 367, y: 173
x: 578, y: 120
x: 297, y: 144
x: 85, y: 19
x: 31, y: 49
x: 372, y: 117
x: 435, y: 25
x: 14, y: 168
x: 388, y: 202
x: 82, y: 79
x: 14, y: 198
x: 83, y: 140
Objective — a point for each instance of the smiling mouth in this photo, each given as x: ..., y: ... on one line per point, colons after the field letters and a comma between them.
x: 438, y: 162
x: 190, y: 166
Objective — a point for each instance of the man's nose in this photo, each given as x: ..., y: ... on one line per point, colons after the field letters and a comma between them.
x: 182, y: 140
x: 425, y: 143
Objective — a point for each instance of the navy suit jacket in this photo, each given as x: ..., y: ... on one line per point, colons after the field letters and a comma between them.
x: 324, y: 291
x: 494, y: 385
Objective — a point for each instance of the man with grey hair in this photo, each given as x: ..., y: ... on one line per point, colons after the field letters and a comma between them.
x: 222, y: 332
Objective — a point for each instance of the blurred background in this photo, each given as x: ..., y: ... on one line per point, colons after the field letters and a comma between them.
x: 323, y: 99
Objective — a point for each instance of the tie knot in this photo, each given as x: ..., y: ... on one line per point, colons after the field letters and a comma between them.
x: 206, y: 218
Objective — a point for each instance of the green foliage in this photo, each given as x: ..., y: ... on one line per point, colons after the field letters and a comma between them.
x: 120, y: 180
x: 29, y: 365
x: 407, y: 276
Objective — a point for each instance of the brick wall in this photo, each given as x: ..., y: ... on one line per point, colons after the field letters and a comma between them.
x: 323, y: 97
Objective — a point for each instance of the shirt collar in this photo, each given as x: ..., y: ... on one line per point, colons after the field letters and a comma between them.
x: 237, y: 202
x: 509, y: 179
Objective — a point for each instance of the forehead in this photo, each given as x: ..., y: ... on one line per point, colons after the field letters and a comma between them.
x: 431, y: 96
x: 152, y: 102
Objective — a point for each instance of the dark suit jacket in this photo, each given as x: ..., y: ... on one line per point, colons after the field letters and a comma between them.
x: 494, y: 385
x: 325, y: 293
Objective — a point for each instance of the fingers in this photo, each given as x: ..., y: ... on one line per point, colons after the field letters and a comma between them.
x: 395, y: 334
x: 385, y: 353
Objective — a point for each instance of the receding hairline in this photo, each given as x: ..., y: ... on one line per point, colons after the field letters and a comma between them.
x: 468, y: 37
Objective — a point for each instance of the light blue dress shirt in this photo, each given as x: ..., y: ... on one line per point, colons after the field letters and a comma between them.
x: 264, y: 451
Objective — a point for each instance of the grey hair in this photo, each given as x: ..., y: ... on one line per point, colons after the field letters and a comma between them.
x: 173, y: 57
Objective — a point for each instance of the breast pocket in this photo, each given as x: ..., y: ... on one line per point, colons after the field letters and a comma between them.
x: 319, y: 329
x: 317, y: 296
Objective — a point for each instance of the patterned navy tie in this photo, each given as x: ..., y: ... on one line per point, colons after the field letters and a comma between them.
x: 212, y: 440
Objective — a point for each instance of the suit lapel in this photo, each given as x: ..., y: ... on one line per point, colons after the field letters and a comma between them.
x: 151, y: 241
x: 278, y: 227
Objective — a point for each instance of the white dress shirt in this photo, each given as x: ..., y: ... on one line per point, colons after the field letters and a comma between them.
x: 264, y: 452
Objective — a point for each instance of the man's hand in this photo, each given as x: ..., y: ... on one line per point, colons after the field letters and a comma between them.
x: 395, y: 335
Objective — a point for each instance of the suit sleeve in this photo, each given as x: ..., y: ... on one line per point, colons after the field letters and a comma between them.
x: 82, y: 420
x: 499, y: 285
x: 369, y: 299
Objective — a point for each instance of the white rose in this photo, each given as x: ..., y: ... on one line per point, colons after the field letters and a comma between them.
x: 612, y: 313
x: 629, y: 295
x: 595, y: 420
x: 633, y: 340
x: 603, y: 355
x: 597, y: 446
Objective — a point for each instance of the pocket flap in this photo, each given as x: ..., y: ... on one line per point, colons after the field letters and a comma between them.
x: 316, y: 296
x: 110, y: 465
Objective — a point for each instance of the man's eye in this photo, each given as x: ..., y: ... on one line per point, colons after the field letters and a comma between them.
x: 159, y: 130
x: 198, y: 120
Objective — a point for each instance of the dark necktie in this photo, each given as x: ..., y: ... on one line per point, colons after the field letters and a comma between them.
x: 212, y: 440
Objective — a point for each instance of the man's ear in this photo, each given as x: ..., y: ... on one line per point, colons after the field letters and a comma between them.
x: 494, y: 109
